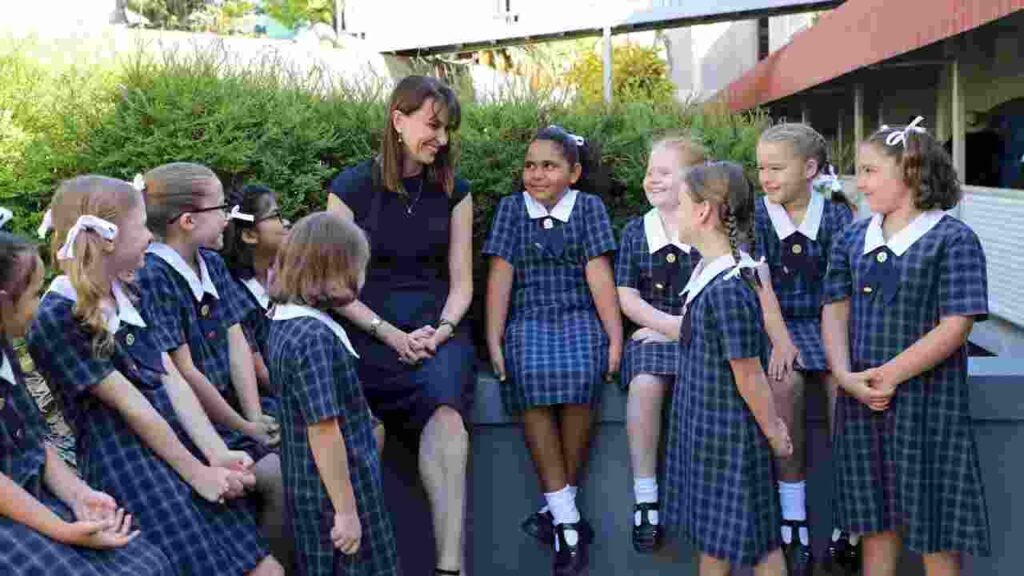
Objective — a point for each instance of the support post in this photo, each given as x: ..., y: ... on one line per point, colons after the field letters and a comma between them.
x: 858, y: 113
x: 607, y: 48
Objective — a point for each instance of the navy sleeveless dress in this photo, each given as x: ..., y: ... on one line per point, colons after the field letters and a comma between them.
x: 407, y: 285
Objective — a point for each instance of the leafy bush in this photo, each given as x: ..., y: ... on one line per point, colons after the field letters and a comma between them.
x: 292, y: 13
x: 638, y: 74
x: 295, y: 133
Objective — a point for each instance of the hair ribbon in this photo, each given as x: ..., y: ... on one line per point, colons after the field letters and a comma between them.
x: 900, y: 136
x: 106, y: 230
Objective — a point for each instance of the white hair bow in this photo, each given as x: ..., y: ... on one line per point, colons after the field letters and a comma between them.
x: 139, y: 183
x: 46, y: 225
x: 106, y: 230
x: 5, y: 217
x: 577, y: 139
x: 828, y: 181
x: 237, y: 214
x: 900, y: 136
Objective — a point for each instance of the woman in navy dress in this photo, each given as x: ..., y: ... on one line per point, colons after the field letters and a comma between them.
x: 51, y: 522
x: 723, y: 429
x: 249, y: 251
x: 331, y: 469
x: 197, y: 309
x: 416, y: 362
x: 651, y: 269
x: 796, y: 225
x: 904, y: 289
x: 140, y: 433
x: 554, y: 329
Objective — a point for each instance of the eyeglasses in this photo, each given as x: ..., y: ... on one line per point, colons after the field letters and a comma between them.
x: 222, y: 208
x: 275, y: 215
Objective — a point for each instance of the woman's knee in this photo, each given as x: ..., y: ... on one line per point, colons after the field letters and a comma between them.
x: 447, y: 431
x: 647, y: 388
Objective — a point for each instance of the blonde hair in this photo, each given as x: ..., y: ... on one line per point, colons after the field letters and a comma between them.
x: 690, y: 152
x: 321, y: 252
x: 172, y: 189
x: 106, y: 198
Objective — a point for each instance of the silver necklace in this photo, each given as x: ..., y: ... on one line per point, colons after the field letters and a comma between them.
x: 410, y: 206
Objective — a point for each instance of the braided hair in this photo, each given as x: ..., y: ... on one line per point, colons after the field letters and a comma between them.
x: 725, y: 185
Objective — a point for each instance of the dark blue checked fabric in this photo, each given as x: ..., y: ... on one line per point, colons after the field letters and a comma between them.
x: 318, y: 382
x: 719, y: 486
x: 556, y: 350
x: 256, y: 324
x: 22, y: 429
x: 178, y: 319
x: 798, y: 276
x: 659, y: 278
x: 914, y: 467
x: 196, y: 536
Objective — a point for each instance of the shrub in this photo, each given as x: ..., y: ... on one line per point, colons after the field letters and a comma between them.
x: 638, y: 74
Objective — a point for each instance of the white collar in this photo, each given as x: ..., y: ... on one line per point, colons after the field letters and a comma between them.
x: 6, y: 370
x: 654, y: 230
x: 561, y: 211
x: 290, y: 311
x: 124, y: 310
x: 706, y: 271
x: 198, y: 284
x: 783, y: 224
x: 904, y: 239
x: 258, y: 291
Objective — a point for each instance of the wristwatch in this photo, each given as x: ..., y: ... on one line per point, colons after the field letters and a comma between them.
x: 374, y: 325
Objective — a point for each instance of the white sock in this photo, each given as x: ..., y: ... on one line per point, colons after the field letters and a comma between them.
x: 563, y: 508
x: 544, y: 509
x: 793, y: 499
x: 645, y: 490
x: 853, y: 536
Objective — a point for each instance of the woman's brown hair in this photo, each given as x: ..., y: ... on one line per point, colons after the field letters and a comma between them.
x: 321, y: 262
x: 926, y: 166
x: 410, y: 94
x: 173, y: 189
x: 106, y: 198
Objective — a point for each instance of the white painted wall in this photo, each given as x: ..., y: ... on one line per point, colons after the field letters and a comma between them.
x: 44, y: 17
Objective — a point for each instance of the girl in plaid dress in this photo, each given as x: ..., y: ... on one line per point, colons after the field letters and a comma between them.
x: 554, y: 329
x: 140, y: 433
x: 651, y: 269
x: 332, y: 471
x: 903, y: 290
x: 796, y: 223
x: 723, y: 429
x: 198, y: 309
x: 249, y: 251
x: 51, y: 522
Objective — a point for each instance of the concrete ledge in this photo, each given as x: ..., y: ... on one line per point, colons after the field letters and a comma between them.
x: 503, y: 487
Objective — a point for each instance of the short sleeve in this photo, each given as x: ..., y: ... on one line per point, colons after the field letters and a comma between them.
x: 503, y: 238
x: 235, y: 303
x: 599, y: 239
x: 739, y: 319
x: 62, y: 349
x: 162, y: 305
x: 320, y: 383
x: 627, y: 265
x: 352, y: 184
x: 838, y: 277
x: 459, y: 193
x: 963, y: 282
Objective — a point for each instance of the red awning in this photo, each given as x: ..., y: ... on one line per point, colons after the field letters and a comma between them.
x: 857, y: 34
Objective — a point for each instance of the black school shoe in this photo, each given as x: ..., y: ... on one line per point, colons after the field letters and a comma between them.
x: 646, y: 536
x: 570, y: 560
x: 841, y: 557
x: 541, y: 525
x: 799, y: 560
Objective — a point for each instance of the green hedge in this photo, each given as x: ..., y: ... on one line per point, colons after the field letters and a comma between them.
x: 293, y: 133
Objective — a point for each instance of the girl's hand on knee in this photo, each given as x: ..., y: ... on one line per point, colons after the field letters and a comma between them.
x: 347, y: 532
x: 645, y: 335
x: 783, y: 358
x: 93, y: 505
x: 213, y: 483
x: 498, y: 364
x: 238, y: 462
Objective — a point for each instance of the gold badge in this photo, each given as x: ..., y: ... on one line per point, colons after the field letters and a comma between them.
x: 671, y: 258
x: 549, y: 223
x: 204, y: 311
x: 797, y: 248
x: 129, y: 339
x: 659, y: 286
x: 882, y: 257
x: 868, y: 290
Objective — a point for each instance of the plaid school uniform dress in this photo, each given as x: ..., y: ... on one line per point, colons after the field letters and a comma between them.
x: 719, y: 486
x: 197, y: 536
x: 256, y: 324
x: 556, y: 349
x: 24, y: 551
x: 798, y: 259
x: 657, y: 267
x: 313, y: 360
x: 198, y: 310
x: 914, y: 467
